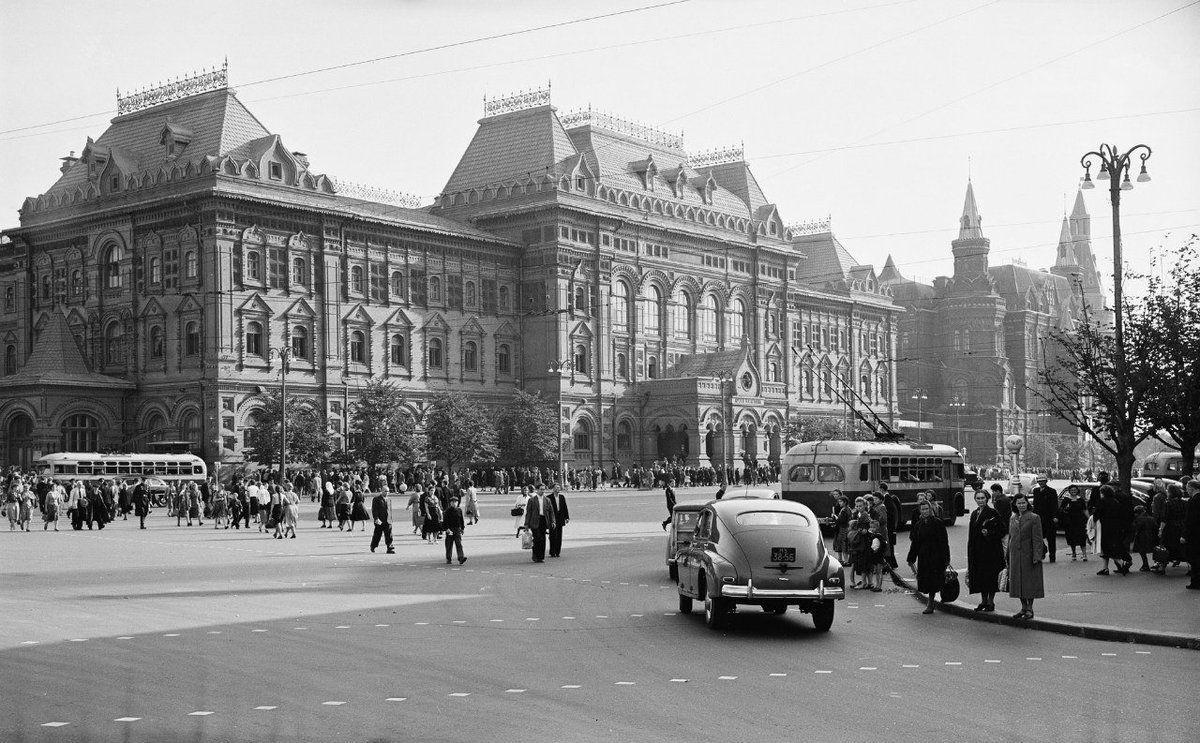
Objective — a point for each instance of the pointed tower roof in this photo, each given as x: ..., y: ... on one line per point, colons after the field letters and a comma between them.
x: 57, y: 360
x: 508, y: 146
x: 1080, y: 208
x: 890, y: 272
x: 1066, y: 245
x: 970, y: 225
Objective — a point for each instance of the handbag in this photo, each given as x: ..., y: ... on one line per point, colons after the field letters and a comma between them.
x: 951, y: 587
x: 1002, y: 580
x: 517, y: 511
x: 1162, y: 555
x: 526, y: 539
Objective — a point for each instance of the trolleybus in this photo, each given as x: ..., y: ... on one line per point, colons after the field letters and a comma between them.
x: 814, y: 469
x: 64, y: 466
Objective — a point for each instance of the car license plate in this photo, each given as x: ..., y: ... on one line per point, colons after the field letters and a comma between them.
x: 783, y: 554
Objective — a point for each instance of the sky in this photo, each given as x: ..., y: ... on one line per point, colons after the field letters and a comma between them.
x: 871, y: 112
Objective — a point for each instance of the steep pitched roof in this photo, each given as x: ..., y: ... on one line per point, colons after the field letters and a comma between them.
x: 709, y: 364
x: 890, y: 272
x: 738, y: 178
x: 56, y: 360
x: 507, y: 146
x: 828, y: 259
x: 970, y: 225
x: 1066, y: 246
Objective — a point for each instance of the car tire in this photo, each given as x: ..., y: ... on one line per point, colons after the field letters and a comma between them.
x: 685, y: 604
x: 716, y: 612
x: 822, y: 615
x: 673, y: 571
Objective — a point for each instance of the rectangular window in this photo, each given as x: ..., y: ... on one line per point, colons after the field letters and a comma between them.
x: 454, y: 291
x: 564, y: 232
x: 276, y: 171
x: 171, y: 269
x: 378, y: 282
x: 417, y: 287
x: 276, y: 268
x: 489, y: 296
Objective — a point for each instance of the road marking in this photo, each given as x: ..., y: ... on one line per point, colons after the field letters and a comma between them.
x: 679, y: 681
x: 643, y: 585
x: 382, y: 625
x: 495, y: 620
x: 669, y: 614
x: 79, y: 639
x: 514, y: 691
x: 213, y: 632
x: 459, y: 621
x: 779, y: 675
x: 909, y: 666
x: 533, y: 619
x: 1070, y: 657
x: 624, y: 584
x: 953, y: 663
x: 461, y: 694
x: 623, y: 683
x: 267, y: 707
x: 333, y: 704
x: 990, y: 661
x: 571, y: 686
x: 1033, y: 659
x: 1110, y: 655
x: 54, y: 724
x: 422, y: 624
x: 260, y: 630
x: 568, y: 617
x: 880, y: 606
x: 726, y: 678
x: 35, y: 642
x: 601, y: 616
x: 127, y: 719
x: 1142, y: 652
x: 342, y: 626
x: 123, y: 637
x: 867, y: 668
x: 200, y: 713
x: 300, y: 629
x: 605, y: 582
x: 822, y: 671
x: 395, y: 699
x: 171, y: 634
x: 636, y: 615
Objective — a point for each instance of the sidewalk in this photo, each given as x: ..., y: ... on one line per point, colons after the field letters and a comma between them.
x: 1140, y: 607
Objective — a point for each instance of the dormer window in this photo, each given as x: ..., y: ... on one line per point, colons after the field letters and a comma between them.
x: 174, y: 139
x: 96, y: 166
x: 276, y: 171
x: 115, y: 183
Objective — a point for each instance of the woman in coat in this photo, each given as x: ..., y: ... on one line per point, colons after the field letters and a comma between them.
x: 1075, y: 515
x: 414, y: 504
x: 1114, y: 526
x: 358, y: 508
x: 928, y: 553
x: 1025, y: 552
x: 985, y: 552
x: 841, y: 526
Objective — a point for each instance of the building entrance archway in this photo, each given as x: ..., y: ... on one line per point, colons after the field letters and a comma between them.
x: 673, y: 444
x: 20, y: 441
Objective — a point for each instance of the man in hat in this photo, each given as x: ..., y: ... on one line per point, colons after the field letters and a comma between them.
x: 1045, y: 505
x: 454, y: 523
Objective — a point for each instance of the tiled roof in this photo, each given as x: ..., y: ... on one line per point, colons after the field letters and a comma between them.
x: 828, y: 259
x: 218, y: 120
x: 1012, y: 282
x: 970, y: 225
x: 56, y: 360
x: 740, y: 181
x: 508, y: 146
x: 709, y: 364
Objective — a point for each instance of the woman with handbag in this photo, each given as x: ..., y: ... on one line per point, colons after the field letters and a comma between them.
x: 1076, y: 517
x: 985, y: 552
x: 1025, y: 553
x: 928, y: 553
x: 518, y: 509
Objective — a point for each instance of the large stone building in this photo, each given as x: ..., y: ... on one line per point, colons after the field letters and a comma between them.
x: 972, y: 345
x: 657, y: 299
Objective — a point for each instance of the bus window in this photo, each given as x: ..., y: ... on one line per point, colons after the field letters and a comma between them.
x: 84, y: 468
x: 197, y: 470
x: 801, y: 473
x: 65, y: 469
x: 110, y: 468
x: 830, y: 473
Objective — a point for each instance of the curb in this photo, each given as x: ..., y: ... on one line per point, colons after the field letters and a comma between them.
x: 1087, y: 631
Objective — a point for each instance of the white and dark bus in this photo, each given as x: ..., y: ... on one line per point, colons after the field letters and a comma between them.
x: 814, y: 469
x: 66, y: 466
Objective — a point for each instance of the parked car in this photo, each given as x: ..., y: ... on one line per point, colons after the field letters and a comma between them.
x: 765, y: 553
x: 679, y: 534
x: 156, y: 487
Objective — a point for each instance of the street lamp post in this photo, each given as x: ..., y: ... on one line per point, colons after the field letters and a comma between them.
x: 958, y: 404
x: 1113, y: 166
x: 558, y: 367
x: 920, y: 396
x: 284, y: 354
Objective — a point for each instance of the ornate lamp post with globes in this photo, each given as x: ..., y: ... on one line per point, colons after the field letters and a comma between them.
x: 284, y: 355
x: 558, y: 367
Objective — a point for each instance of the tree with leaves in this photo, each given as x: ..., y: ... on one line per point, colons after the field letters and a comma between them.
x: 817, y: 428
x: 459, y: 430
x: 383, y: 430
x: 527, y: 430
x: 1167, y: 324
x: 308, y: 437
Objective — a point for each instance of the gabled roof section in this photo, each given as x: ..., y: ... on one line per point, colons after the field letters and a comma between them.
x: 57, y: 360
x: 890, y: 272
x: 713, y: 364
x: 255, y: 304
x: 508, y: 146
x: 828, y: 260
x: 300, y: 308
x: 740, y: 181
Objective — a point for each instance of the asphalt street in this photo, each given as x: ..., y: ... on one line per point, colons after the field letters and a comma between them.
x: 201, y: 635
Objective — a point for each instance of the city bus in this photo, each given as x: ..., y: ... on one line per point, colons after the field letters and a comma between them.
x: 814, y: 469
x: 1165, y: 464
x: 65, y: 466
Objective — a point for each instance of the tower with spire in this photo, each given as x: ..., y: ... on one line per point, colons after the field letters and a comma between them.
x: 1076, y: 262
x: 971, y: 249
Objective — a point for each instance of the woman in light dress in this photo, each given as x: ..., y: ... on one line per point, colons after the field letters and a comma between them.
x: 414, y: 505
x: 291, y: 512
x: 521, y: 502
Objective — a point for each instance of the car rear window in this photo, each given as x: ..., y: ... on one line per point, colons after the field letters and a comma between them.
x: 771, y: 518
x: 686, y: 520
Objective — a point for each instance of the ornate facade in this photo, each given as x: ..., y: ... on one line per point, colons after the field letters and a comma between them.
x: 187, y: 251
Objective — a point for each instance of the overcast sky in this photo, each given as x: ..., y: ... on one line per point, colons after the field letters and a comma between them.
x: 871, y: 111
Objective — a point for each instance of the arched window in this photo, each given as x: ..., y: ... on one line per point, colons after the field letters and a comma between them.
x: 154, y: 427
x: 622, y: 366
x: 581, y: 300
x: 470, y: 294
x: 580, y: 360
x: 435, y: 353
x: 470, y: 356
x: 504, y: 298
x: 682, y: 310
x: 399, y: 352
x: 300, y: 342
x: 112, y: 344
x: 156, y: 342
x: 76, y: 283
x: 191, y: 265
x: 624, y: 436
x: 865, y: 381
x: 156, y: 271
x: 773, y: 371
x: 652, y: 367
x: 398, y: 286
x: 358, y: 347
x: 356, y: 279
x: 737, y: 321
x: 582, y: 436
x: 620, y: 306
x: 881, y: 383
x: 254, y: 339
x: 112, y: 266
x: 709, y: 310
x: 503, y: 359
x: 827, y: 388
x: 807, y: 373
x: 10, y: 299
x: 253, y: 265
x: 80, y: 432
x: 189, y: 426
x: 299, y: 272
x: 191, y: 339
x: 10, y: 360
x: 652, y: 312
x: 435, y: 289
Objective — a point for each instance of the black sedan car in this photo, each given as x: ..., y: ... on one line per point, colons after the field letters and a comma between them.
x: 766, y: 553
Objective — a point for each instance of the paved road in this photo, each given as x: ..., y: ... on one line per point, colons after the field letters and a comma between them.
x: 177, y: 634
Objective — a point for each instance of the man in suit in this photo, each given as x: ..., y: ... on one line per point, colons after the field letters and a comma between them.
x: 669, y: 492
x: 1191, y: 532
x: 561, y: 517
x: 454, y: 523
x: 539, y: 517
x: 381, y: 512
x: 1045, y: 505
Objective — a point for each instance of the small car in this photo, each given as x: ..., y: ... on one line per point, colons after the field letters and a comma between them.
x: 679, y: 533
x: 765, y: 553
